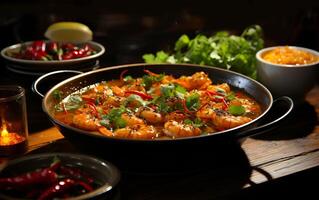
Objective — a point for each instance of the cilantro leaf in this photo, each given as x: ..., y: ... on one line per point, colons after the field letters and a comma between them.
x: 236, y: 110
x: 227, y: 51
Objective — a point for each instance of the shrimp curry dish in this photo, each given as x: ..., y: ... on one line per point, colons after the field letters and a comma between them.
x: 156, y: 106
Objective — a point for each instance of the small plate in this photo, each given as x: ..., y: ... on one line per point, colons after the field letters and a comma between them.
x: 52, y: 65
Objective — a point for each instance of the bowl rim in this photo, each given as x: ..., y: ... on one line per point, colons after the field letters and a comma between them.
x: 106, y: 187
x: 262, y: 51
x: 99, y: 48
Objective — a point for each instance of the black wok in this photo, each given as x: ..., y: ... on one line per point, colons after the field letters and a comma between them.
x: 104, y: 145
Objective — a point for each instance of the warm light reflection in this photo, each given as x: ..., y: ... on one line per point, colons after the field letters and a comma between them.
x: 4, y: 132
x: 7, y: 138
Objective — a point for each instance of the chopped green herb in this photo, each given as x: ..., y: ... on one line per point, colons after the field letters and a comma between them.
x: 196, y: 123
x: 231, y: 52
x: 128, y: 79
x: 57, y: 94
x: 192, y: 101
x: 148, y: 80
x: 231, y: 96
x: 114, y: 117
x: 137, y: 99
x: 236, y: 110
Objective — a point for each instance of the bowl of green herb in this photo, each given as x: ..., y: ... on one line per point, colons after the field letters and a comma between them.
x: 232, y: 52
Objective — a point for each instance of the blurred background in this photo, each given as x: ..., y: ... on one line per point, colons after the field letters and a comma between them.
x: 128, y: 29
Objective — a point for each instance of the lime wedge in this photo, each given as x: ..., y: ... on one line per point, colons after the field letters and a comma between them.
x: 69, y: 32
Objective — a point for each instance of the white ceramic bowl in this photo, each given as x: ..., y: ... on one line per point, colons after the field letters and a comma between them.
x: 294, y: 81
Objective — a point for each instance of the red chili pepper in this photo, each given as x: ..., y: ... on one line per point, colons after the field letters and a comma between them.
x: 57, y: 189
x: 87, y: 98
x: 39, y: 46
x: 87, y: 47
x: 86, y: 186
x: 64, y: 108
x: 215, y: 99
x: 150, y: 73
x: 122, y: 74
x: 28, y: 54
x: 55, y: 165
x: 225, y: 104
x: 141, y: 94
x: 75, y: 173
x: 39, y: 55
x: 67, y: 55
x: 209, y: 92
x: 93, y: 108
x: 238, y: 94
x: 185, y: 107
x: 43, y: 176
x: 52, y: 47
x: 214, y: 93
x: 68, y: 47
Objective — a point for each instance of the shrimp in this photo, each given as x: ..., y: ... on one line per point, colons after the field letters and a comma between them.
x: 118, y: 91
x: 221, y: 87
x: 199, y: 80
x: 86, y: 121
x: 177, y: 129
x: 113, y: 101
x: 137, y: 131
x: 135, y: 85
x: 221, y: 119
x: 132, y: 120
x: 106, y: 131
x: 223, y: 122
x: 151, y: 116
x: 176, y: 116
x: 96, y: 92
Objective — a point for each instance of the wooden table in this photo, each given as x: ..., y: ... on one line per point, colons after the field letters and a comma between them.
x: 287, y: 150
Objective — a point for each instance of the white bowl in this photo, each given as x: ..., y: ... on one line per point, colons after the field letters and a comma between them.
x: 294, y: 81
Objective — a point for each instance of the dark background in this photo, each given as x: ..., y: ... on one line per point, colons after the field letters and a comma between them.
x: 128, y: 28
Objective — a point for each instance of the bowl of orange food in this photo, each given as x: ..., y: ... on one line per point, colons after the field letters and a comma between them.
x: 288, y: 70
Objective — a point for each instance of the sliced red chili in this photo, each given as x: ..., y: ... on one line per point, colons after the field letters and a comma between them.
x: 64, y: 108
x: 225, y: 106
x: 141, y: 94
x: 93, y: 108
x: 185, y: 107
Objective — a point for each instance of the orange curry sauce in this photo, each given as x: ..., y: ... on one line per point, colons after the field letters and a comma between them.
x: 289, y: 56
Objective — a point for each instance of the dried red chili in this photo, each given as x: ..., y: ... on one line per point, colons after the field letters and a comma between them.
x: 43, y: 176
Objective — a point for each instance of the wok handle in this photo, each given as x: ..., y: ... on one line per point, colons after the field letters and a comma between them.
x: 37, y: 82
x: 268, y: 126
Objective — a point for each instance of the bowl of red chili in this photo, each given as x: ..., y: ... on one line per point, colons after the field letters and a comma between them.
x: 45, y: 56
x: 58, y: 175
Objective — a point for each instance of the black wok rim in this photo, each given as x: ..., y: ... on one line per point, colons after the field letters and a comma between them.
x: 127, y: 66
